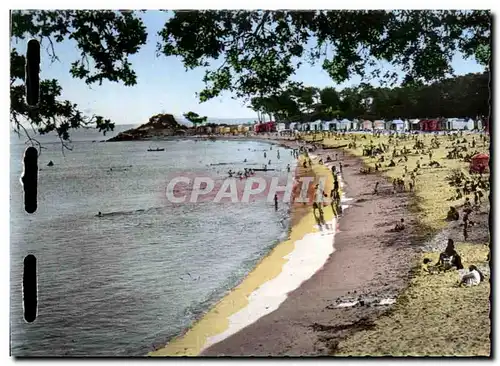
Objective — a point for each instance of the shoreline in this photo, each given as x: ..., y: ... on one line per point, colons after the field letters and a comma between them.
x: 367, y: 262
x: 271, y: 274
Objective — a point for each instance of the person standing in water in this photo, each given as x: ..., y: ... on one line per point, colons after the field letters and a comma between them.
x: 275, y: 202
x: 265, y: 155
x: 288, y: 168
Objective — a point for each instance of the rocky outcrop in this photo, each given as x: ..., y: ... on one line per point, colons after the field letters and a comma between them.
x: 160, y: 125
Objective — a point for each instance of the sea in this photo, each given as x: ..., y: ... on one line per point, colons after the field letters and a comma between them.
x: 125, y: 283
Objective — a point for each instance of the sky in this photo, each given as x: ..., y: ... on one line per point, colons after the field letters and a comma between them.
x: 163, y: 84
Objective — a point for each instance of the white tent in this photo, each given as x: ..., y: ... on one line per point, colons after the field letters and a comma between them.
x: 460, y: 124
x: 398, y: 125
x: 280, y: 127
x: 355, y: 124
x: 315, y: 126
x: 293, y: 126
x: 330, y: 125
x: 414, y: 124
x: 345, y: 124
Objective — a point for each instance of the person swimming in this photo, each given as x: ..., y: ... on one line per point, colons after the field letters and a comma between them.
x: 99, y: 214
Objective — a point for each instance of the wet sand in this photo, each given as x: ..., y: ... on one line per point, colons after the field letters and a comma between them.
x: 367, y: 261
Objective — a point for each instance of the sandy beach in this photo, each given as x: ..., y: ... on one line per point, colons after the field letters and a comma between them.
x: 367, y: 264
x: 307, y: 321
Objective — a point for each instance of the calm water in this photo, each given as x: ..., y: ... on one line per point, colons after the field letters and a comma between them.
x: 116, y: 285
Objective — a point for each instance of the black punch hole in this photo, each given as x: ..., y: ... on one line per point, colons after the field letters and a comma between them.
x: 30, y: 179
x: 33, y: 73
x: 30, y: 300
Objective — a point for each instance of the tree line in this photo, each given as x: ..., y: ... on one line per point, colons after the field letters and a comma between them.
x: 255, y: 53
x: 466, y: 96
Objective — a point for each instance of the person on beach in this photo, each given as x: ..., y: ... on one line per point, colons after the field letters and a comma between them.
x: 333, y: 202
x: 275, y: 202
x: 467, y: 205
x: 473, y: 278
x: 465, y: 233
x: 375, y: 190
x: 400, y: 226
x: 318, y: 221
x: 322, y: 219
x: 338, y: 203
x: 340, y: 167
x: 452, y: 214
x: 450, y: 258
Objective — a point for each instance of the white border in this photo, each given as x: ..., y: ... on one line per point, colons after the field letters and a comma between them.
x: 184, y: 4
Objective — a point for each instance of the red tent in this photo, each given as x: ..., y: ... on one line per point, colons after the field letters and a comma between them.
x: 429, y: 125
x: 479, y: 163
x: 265, y: 127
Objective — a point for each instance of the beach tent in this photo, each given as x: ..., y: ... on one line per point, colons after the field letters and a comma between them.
x: 315, y: 126
x: 280, y: 127
x: 479, y: 163
x: 367, y: 125
x: 265, y: 127
x: 431, y: 125
x: 378, y: 125
x: 354, y: 125
x: 414, y: 125
x: 479, y: 124
x: 334, y: 124
x: 345, y: 124
x: 293, y: 126
x: 397, y: 125
x: 460, y: 124
x: 325, y: 126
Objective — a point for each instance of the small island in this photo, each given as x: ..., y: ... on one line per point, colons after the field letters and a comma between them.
x: 159, y: 125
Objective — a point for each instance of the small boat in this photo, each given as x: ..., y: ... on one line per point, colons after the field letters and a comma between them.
x: 157, y: 149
